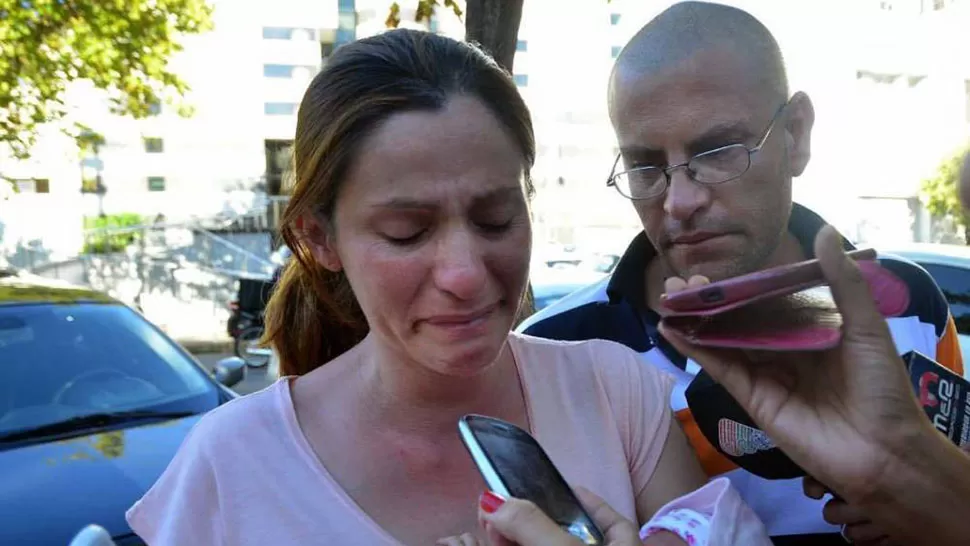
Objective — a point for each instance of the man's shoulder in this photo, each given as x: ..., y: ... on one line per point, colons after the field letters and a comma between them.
x: 586, y: 314
x: 926, y: 301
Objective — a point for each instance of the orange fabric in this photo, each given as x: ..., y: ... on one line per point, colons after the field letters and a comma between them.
x: 712, y: 461
x: 948, y: 348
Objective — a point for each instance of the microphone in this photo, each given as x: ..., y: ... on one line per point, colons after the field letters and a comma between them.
x: 943, y: 394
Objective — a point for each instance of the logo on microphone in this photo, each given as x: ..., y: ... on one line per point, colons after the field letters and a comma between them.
x: 928, y: 399
x: 737, y: 439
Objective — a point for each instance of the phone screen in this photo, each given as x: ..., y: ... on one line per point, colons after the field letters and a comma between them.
x: 528, y: 473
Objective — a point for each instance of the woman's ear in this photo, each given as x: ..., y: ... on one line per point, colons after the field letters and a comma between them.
x: 318, y: 237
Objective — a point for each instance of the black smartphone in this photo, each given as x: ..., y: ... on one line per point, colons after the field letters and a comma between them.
x: 513, y: 464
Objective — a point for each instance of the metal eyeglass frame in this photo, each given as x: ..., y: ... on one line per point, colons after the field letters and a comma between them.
x: 611, y: 181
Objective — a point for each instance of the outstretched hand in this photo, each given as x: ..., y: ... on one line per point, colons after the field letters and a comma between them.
x: 840, y: 414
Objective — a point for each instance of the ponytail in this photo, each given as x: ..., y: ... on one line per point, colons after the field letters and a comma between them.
x: 312, y: 316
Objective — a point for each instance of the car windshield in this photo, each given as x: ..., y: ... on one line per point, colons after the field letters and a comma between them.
x: 61, y: 362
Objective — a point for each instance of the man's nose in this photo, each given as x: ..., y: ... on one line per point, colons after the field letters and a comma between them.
x: 684, y: 196
x: 460, y: 266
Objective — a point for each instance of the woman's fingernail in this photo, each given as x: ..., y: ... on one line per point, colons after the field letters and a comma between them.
x: 490, y: 502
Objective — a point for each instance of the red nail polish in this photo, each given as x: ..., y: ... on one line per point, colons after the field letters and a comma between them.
x: 490, y: 502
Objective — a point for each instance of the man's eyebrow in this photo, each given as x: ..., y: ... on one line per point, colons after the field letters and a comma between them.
x: 726, y: 134
x: 639, y: 151
x: 736, y: 132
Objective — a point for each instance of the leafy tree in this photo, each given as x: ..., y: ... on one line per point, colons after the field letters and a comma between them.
x: 120, y: 46
x: 941, y: 191
x: 493, y: 24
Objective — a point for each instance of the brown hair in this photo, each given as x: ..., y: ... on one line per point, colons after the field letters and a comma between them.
x: 313, y: 316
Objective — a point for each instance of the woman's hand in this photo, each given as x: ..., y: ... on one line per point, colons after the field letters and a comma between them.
x: 845, y: 415
x: 518, y: 522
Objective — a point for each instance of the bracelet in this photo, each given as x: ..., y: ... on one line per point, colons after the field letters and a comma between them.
x: 692, y: 526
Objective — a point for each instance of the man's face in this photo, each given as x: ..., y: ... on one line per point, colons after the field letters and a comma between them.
x: 666, y: 118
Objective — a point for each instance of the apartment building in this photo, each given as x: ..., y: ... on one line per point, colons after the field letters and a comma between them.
x: 890, y: 80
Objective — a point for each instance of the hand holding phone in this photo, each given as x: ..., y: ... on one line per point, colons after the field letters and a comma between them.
x: 785, y: 308
x: 513, y: 464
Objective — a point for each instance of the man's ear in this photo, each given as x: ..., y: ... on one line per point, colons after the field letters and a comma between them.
x: 799, y: 121
x: 318, y: 237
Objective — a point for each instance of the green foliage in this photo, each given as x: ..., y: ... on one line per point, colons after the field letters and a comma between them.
x: 108, y: 233
x: 940, y: 192
x: 425, y: 10
x: 121, y: 46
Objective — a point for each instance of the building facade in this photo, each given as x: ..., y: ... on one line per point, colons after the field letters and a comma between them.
x: 890, y: 80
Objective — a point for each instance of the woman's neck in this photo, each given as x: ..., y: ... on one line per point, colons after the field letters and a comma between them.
x: 410, y: 397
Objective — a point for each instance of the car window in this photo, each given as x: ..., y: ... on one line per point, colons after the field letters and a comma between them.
x: 955, y: 283
x: 64, y: 361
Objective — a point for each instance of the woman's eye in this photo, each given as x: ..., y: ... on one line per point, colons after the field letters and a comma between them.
x: 406, y: 240
x: 494, y: 227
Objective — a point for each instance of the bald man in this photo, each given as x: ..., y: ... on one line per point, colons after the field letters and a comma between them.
x: 710, y: 139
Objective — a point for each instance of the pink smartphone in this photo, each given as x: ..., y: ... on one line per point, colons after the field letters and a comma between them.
x: 786, y: 279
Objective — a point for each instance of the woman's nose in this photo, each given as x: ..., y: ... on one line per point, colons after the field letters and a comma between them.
x: 460, y: 267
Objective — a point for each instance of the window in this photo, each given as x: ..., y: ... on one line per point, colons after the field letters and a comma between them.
x: 521, y: 80
x: 277, y: 33
x: 278, y: 70
x: 955, y: 283
x: 33, y: 185
x: 153, y: 145
x: 156, y: 183
x: 279, y: 108
x: 346, y: 21
x: 939, y: 4
x: 614, y: 19
x: 886, y: 6
x: 616, y: 51
x: 289, y: 33
x: 155, y: 108
x: 522, y: 45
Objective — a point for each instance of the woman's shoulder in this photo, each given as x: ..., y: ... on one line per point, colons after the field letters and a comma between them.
x: 241, y: 419
x: 609, y: 362
x: 595, y: 353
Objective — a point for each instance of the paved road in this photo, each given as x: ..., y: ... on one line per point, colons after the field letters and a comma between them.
x: 256, y: 378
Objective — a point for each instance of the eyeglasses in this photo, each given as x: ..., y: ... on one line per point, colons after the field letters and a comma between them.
x: 709, y: 168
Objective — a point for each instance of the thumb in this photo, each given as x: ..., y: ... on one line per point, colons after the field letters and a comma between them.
x: 616, y: 528
x: 522, y: 522
x: 849, y: 289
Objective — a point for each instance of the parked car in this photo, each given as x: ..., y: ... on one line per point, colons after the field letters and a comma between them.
x: 94, y: 402
x: 546, y: 294
x: 950, y: 267
x: 551, y: 284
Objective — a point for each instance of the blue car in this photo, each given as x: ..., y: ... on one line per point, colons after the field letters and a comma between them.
x: 94, y: 403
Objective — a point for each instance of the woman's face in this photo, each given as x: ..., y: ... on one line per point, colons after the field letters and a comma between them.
x: 433, y: 232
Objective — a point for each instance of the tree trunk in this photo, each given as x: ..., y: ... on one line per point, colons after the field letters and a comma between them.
x: 494, y: 24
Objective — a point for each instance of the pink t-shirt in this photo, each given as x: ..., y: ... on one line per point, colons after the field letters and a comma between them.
x: 246, y: 473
